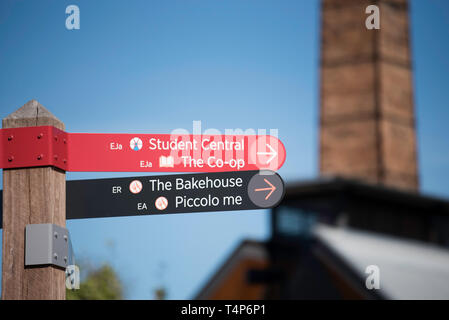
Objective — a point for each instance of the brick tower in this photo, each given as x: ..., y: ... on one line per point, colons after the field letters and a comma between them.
x: 367, y: 114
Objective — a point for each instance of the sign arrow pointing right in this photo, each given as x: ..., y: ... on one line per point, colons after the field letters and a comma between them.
x: 272, y: 188
x: 272, y: 153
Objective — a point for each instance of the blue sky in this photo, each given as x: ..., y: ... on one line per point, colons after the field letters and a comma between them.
x: 154, y: 66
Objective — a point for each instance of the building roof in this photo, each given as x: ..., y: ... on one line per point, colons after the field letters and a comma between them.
x: 325, y: 186
x: 247, y: 250
x: 408, y: 269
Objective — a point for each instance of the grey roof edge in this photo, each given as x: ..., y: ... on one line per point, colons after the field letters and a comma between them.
x: 338, y: 184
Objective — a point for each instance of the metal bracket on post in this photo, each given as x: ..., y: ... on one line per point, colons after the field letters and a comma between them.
x: 29, y: 147
x: 47, y: 244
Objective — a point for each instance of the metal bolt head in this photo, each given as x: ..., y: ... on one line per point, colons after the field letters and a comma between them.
x: 10, y: 158
x: 40, y: 135
x: 65, y: 238
x: 39, y: 157
x: 55, y: 256
x: 10, y: 137
x: 65, y: 259
x: 56, y: 235
x: 56, y: 157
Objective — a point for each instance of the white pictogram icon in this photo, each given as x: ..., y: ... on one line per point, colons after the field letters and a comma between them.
x: 161, y: 203
x: 135, y: 186
x: 136, y: 144
x: 166, y: 162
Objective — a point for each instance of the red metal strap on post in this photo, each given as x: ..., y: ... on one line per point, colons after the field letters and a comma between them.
x: 33, y: 147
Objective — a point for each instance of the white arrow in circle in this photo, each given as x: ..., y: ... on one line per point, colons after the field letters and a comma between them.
x: 273, y: 153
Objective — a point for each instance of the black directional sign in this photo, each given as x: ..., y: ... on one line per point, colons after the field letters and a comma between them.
x: 165, y: 194
x: 184, y: 193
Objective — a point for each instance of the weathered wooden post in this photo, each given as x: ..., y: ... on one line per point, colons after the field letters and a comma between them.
x: 31, y: 196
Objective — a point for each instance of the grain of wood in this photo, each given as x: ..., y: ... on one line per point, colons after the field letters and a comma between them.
x: 31, y: 195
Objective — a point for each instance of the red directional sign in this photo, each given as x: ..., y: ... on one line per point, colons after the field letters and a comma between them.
x: 40, y: 146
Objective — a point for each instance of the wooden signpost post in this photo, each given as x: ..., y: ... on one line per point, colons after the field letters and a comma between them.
x: 35, y: 151
x: 30, y: 196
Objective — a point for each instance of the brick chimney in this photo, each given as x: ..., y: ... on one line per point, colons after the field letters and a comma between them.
x: 367, y: 122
